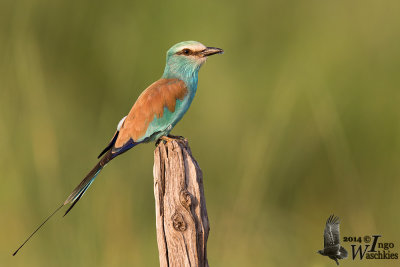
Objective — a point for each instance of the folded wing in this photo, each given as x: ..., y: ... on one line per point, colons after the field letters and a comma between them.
x: 150, y: 105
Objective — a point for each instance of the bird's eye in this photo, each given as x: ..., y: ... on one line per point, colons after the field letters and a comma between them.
x: 186, y: 51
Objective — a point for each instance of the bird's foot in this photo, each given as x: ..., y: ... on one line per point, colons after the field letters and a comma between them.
x: 178, y: 137
x: 164, y: 139
x: 170, y: 138
x: 159, y: 140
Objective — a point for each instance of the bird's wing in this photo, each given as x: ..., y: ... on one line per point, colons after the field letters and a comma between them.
x: 332, y: 232
x: 110, y: 144
x: 114, y: 138
x: 151, y: 104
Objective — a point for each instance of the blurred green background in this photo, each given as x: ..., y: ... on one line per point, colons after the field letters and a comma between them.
x: 297, y: 120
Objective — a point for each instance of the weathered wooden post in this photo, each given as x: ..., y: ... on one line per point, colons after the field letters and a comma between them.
x: 181, y: 214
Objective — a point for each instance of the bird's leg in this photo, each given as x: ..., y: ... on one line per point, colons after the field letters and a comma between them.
x: 337, y: 262
x: 181, y: 138
x: 158, y: 142
x: 164, y: 138
x: 170, y: 138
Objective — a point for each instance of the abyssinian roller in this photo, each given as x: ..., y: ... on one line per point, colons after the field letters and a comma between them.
x: 157, y: 110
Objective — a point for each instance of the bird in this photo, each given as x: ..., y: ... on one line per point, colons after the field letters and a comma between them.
x: 332, y: 247
x: 154, y: 114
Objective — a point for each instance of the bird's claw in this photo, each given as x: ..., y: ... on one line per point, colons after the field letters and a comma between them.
x: 170, y: 138
x: 178, y: 137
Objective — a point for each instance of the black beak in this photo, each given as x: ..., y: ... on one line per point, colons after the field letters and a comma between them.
x: 209, y: 51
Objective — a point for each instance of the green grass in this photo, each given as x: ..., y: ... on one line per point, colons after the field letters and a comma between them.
x: 297, y: 120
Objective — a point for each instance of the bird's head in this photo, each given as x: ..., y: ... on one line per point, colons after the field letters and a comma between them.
x: 187, y: 57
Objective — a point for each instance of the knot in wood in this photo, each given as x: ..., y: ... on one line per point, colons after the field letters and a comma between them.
x: 178, y: 222
x: 185, y: 198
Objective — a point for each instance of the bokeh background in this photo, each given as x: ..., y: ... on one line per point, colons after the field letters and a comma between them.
x: 297, y: 120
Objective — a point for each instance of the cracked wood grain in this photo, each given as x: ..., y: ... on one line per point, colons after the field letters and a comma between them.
x: 181, y: 214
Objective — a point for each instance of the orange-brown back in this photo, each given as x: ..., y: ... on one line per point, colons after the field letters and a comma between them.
x: 150, y: 104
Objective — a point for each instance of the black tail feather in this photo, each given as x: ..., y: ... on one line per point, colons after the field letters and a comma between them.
x: 37, y: 229
x: 110, y: 145
x: 78, y: 192
x: 76, y: 195
x: 78, y: 198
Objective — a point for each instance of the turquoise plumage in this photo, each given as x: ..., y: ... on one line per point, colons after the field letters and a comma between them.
x: 155, y: 113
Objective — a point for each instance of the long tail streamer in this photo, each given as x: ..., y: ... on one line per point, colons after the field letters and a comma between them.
x: 76, y: 195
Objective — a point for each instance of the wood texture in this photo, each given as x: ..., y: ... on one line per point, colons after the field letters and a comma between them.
x: 181, y: 214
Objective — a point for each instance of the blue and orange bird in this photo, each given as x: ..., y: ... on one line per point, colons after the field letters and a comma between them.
x: 157, y: 110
